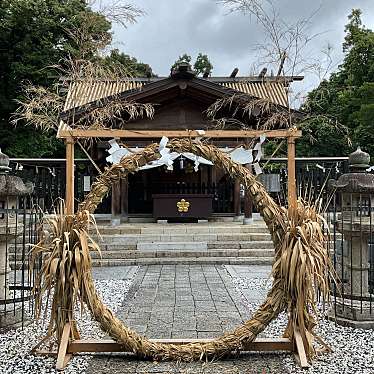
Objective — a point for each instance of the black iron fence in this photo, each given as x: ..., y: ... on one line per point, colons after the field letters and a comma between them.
x: 20, y: 227
x: 349, y: 218
x: 312, y: 175
x: 48, y: 177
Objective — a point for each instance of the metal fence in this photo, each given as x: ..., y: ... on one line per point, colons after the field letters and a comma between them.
x: 349, y: 218
x: 48, y: 177
x: 312, y: 175
x: 20, y: 227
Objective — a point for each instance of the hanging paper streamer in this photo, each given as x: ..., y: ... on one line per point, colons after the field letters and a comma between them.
x: 197, y: 160
x: 239, y: 155
x: 116, y: 152
x: 242, y: 156
x: 19, y: 167
x: 257, y: 168
x: 321, y: 167
x: 258, y: 147
x: 167, y: 158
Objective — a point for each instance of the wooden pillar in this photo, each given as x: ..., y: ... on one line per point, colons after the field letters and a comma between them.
x: 69, y: 192
x: 237, y: 208
x: 116, y: 203
x: 291, y: 172
x: 248, y: 205
x: 124, y: 199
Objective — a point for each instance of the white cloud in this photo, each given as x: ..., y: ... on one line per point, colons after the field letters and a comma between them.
x: 173, y: 27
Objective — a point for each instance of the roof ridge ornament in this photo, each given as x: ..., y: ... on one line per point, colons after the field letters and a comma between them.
x: 182, y: 70
x: 359, y: 161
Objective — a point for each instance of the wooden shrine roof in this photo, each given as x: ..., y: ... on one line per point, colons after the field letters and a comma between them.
x: 82, y: 92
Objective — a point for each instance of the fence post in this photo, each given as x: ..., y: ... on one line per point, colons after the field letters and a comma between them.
x: 69, y: 194
x: 291, y: 172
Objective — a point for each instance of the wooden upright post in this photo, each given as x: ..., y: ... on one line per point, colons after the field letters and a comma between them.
x: 116, y: 203
x: 248, y: 205
x: 237, y: 207
x: 124, y: 199
x: 291, y: 172
x: 69, y: 192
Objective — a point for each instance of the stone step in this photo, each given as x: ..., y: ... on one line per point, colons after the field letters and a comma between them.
x: 210, y: 245
x: 175, y: 246
x: 185, y: 261
x: 187, y: 230
x: 263, y: 252
x: 128, y: 254
x: 268, y: 244
x: 172, y: 246
x: 151, y: 238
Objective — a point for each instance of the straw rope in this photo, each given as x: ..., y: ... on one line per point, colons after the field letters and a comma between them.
x: 300, y: 267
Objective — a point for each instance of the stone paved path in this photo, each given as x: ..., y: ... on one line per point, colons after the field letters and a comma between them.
x: 186, y: 301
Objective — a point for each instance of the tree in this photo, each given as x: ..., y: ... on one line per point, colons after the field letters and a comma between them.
x: 347, y: 97
x: 36, y: 36
x: 202, y: 63
x: 33, y: 35
x: 134, y: 67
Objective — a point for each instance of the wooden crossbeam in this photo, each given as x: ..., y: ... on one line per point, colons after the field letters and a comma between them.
x: 156, y: 134
x: 279, y: 344
x: 68, y: 348
x: 89, y: 346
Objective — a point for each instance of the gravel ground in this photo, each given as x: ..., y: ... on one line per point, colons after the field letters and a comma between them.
x: 15, y: 345
x: 353, y: 349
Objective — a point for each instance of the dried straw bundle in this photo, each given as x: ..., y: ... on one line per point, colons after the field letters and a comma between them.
x: 301, y: 264
x: 66, y: 260
x: 306, y: 268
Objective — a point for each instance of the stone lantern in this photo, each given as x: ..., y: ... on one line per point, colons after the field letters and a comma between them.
x: 356, y: 224
x: 11, y: 187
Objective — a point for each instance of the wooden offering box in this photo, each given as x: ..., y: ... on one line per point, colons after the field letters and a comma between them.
x: 182, y: 206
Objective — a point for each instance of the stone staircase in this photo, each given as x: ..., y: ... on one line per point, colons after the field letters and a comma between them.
x: 205, y: 243
x: 193, y: 243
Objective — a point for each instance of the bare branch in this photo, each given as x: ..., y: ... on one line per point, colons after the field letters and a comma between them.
x: 117, y: 11
x: 261, y: 114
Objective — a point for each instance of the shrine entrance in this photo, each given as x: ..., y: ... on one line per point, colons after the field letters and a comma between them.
x: 182, y: 180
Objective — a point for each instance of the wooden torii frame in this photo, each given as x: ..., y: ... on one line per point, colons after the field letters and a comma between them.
x: 67, y: 346
x: 69, y: 135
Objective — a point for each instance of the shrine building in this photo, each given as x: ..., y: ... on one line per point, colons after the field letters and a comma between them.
x: 191, y: 189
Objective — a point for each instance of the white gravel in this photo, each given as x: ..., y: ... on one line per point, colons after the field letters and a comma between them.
x: 353, y: 349
x: 15, y: 345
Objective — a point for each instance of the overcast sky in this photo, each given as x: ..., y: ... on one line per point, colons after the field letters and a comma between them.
x: 173, y: 27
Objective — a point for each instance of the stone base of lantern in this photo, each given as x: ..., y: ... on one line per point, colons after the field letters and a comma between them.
x: 11, y: 317
x: 353, y: 313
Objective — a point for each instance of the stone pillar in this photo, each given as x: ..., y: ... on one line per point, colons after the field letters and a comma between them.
x: 10, y: 188
x: 357, y: 267
x: 353, y: 302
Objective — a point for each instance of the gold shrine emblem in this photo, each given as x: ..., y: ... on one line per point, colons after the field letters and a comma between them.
x: 183, y: 206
